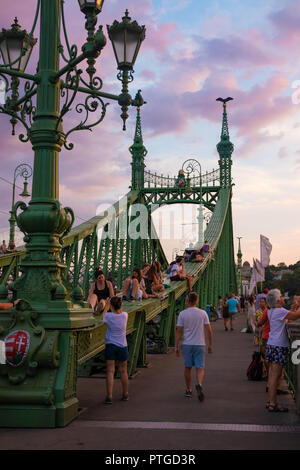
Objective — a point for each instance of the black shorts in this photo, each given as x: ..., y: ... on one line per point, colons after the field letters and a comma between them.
x: 115, y: 353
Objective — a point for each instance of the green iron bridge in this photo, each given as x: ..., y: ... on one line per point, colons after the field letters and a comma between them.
x: 56, y: 336
x: 42, y: 391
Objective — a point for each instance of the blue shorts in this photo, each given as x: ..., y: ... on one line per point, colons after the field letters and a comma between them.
x: 193, y: 356
x: 115, y: 353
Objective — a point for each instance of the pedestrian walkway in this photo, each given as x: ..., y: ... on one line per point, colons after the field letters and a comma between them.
x: 158, y: 416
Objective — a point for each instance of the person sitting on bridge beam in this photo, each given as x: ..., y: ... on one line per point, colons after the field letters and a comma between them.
x: 100, y: 290
x: 133, y: 287
x: 178, y: 273
x: 3, y: 248
x: 196, y: 256
x: 152, y: 281
x: 158, y: 272
x: 206, y: 248
x: 8, y: 305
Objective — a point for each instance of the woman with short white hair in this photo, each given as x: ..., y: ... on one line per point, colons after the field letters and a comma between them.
x: 277, y: 349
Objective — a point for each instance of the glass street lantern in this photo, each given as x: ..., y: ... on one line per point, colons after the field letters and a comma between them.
x: 126, y: 38
x: 15, y: 47
x: 91, y: 5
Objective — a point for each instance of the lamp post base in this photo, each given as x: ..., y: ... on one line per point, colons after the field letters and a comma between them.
x: 22, y: 416
x: 38, y: 383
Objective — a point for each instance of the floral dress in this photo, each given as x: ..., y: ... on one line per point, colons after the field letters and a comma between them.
x: 257, y: 331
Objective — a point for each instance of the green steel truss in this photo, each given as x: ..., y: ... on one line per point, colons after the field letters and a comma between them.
x: 88, y: 245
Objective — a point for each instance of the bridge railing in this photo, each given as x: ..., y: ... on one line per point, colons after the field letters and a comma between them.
x: 84, y: 248
x: 160, y: 181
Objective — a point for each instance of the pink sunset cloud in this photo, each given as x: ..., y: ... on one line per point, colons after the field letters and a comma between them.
x: 236, y: 51
x: 185, y: 89
x: 285, y: 23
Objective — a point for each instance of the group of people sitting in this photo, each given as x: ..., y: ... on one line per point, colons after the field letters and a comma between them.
x: 194, y: 255
x: 177, y: 272
x: 7, y: 249
x: 142, y: 284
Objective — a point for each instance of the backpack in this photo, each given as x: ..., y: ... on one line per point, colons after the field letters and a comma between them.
x: 255, y: 369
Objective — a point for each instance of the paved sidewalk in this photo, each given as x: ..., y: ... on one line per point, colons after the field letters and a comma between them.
x: 158, y: 416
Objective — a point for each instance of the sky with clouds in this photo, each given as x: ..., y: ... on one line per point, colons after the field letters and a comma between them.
x: 194, y: 52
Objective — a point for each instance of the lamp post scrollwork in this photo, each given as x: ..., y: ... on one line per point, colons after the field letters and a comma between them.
x: 24, y: 171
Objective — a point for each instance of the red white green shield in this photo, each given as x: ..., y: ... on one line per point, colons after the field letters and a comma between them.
x: 16, y: 347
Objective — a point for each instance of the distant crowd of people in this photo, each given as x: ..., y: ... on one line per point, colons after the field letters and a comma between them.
x: 266, y: 319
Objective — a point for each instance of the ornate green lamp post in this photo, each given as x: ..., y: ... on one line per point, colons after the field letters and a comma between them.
x: 25, y: 171
x: 38, y: 382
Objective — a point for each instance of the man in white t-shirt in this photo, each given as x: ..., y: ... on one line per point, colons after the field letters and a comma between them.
x: 192, y: 323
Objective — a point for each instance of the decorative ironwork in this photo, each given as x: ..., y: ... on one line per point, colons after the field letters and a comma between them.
x: 191, y: 166
x: 73, y: 50
x: 91, y: 105
x: 160, y: 181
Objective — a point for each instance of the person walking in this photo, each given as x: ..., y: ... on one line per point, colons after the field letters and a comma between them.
x: 233, y: 308
x: 242, y: 303
x: 251, y: 313
x: 225, y: 313
x: 192, y: 324
x: 220, y: 306
x: 115, y: 346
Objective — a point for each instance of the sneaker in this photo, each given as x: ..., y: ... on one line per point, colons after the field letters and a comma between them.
x: 188, y: 393
x: 164, y: 297
x: 200, y: 392
x: 125, y: 397
x: 108, y: 401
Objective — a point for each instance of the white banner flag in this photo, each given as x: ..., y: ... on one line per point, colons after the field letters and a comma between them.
x: 253, y: 279
x: 260, y: 271
x: 258, y: 275
x: 265, y: 251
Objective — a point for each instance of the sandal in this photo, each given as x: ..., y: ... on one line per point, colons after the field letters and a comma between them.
x: 281, y: 392
x: 277, y: 409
